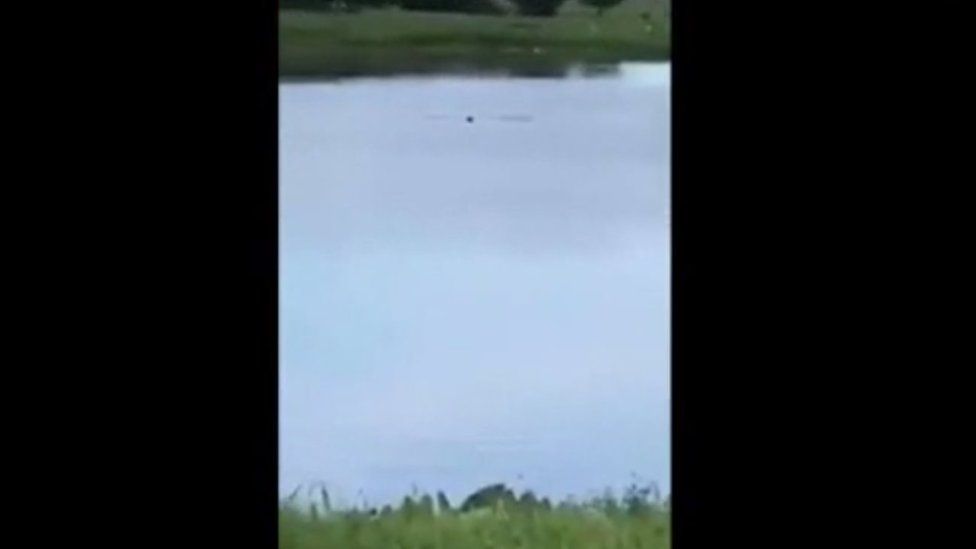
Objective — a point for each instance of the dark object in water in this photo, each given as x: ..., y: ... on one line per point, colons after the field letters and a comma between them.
x: 470, y: 119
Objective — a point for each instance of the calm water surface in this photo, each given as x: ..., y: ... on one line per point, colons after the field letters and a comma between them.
x: 473, y: 302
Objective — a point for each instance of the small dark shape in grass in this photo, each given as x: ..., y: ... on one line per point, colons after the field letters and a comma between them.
x: 487, y: 497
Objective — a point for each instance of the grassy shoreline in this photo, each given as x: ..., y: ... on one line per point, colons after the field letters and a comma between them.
x: 492, y: 518
x: 315, y: 44
x: 558, y: 529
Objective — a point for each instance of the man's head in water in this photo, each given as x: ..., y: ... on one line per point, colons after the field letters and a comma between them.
x: 470, y: 119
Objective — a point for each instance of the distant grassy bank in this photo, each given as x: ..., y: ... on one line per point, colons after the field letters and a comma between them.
x: 389, y: 41
x: 633, y: 522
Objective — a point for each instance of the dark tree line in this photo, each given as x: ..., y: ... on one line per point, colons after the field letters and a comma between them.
x: 488, y: 7
x: 601, y: 5
x: 543, y: 8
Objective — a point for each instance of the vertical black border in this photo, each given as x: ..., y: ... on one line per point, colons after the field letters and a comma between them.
x: 231, y: 378
x: 174, y: 437
x: 716, y: 85
x: 264, y: 202
x: 233, y: 126
x: 246, y: 377
x: 754, y: 177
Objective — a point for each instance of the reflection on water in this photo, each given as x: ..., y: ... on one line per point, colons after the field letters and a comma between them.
x: 474, y: 282
x: 508, y: 70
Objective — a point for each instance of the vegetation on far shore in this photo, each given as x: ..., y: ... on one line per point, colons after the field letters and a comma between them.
x: 316, y: 39
x: 493, y: 517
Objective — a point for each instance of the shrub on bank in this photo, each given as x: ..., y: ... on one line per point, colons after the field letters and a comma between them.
x: 483, y: 7
x: 540, y: 8
x: 601, y: 5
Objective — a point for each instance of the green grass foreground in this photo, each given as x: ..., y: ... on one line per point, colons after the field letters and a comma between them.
x: 598, y: 524
x: 391, y: 41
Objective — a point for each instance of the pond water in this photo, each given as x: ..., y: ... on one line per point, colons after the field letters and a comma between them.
x: 474, y: 283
